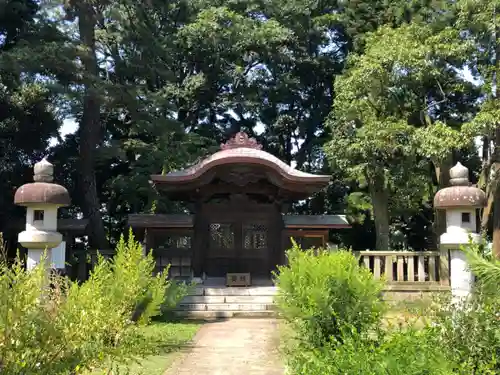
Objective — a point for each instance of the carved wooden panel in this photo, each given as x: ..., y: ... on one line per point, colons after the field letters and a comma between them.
x: 306, y: 238
x: 222, y: 187
x: 221, y: 236
x: 241, y: 179
x: 255, y: 236
x: 172, y: 247
x: 241, y: 235
x: 173, y: 241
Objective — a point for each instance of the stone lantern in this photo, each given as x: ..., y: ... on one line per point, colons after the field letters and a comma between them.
x: 461, y: 201
x: 42, y: 198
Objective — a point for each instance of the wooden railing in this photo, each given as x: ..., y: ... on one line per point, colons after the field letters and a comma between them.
x: 430, y: 267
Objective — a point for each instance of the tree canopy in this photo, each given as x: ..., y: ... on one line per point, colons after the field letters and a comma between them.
x: 383, y: 98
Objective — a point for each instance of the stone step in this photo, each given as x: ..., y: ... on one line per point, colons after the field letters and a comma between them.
x: 203, y: 299
x: 234, y: 291
x: 228, y: 299
x: 250, y: 299
x: 224, y: 307
x: 209, y: 315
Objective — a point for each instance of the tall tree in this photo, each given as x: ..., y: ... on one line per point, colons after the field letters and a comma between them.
x: 164, y: 92
x: 479, y: 21
x: 89, y: 15
x: 28, y: 52
x: 392, y: 113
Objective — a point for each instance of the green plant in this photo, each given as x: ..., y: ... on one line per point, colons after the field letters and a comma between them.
x: 470, y: 335
x: 325, y: 295
x: 404, y: 351
x: 50, y: 325
x: 333, y: 313
x: 133, y: 284
x: 484, y: 266
x: 333, y: 320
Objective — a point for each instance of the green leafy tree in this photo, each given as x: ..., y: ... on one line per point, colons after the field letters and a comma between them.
x: 71, y: 327
x: 393, y: 114
x: 479, y: 22
x: 28, y: 96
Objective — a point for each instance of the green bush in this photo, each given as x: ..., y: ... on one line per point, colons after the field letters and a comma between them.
x: 401, y: 352
x: 333, y: 321
x: 50, y: 325
x: 333, y: 313
x: 324, y: 295
x: 470, y: 336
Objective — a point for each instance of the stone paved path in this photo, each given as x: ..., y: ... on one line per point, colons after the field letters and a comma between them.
x: 233, y: 347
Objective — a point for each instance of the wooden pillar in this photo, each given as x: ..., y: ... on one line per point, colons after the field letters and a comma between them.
x: 68, y: 256
x: 279, y: 242
x: 81, y: 272
x: 146, y: 248
x: 140, y: 235
x: 199, y: 241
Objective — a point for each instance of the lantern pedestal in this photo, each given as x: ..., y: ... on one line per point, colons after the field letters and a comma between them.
x: 42, y: 199
x: 461, y: 202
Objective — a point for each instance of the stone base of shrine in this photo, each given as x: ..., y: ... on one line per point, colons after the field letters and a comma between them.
x: 414, y: 291
x: 214, y: 300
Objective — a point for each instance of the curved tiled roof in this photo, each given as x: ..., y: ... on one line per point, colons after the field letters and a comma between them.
x: 42, y: 193
x: 243, y: 150
x: 241, y: 155
x: 43, y: 190
x: 461, y: 193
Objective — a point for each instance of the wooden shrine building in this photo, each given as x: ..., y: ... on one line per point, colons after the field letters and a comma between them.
x: 238, y: 221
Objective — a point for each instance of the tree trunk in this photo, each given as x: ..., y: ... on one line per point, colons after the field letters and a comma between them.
x: 496, y: 195
x: 496, y: 152
x: 496, y: 223
x: 90, y: 129
x: 380, y: 202
x: 442, y: 171
x: 487, y: 168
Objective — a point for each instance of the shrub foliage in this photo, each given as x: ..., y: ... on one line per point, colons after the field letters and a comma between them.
x: 324, y: 294
x: 335, y: 323
x: 50, y: 325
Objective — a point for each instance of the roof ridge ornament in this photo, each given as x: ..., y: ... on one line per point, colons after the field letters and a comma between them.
x: 461, y: 193
x: 459, y: 175
x: 240, y: 140
x: 43, y: 171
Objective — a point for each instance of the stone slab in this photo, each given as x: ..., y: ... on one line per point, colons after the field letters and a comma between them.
x: 243, y: 291
x: 228, y: 299
x: 224, y: 307
x: 211, y: 315
x: 250, y: 299
x: 203, y: 299
x: 197, y: 291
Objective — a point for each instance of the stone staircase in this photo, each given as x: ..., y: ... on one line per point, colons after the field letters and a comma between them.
x: 218, y: 301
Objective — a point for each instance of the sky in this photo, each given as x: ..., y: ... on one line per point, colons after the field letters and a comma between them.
x: 69, y: 126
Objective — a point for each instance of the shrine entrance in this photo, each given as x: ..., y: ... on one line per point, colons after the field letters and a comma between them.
x: 240, y: 235
x: 236, y: 217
